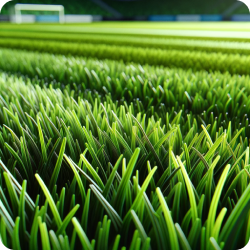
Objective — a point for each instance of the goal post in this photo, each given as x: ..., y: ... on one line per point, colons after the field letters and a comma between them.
x: 18, y: 8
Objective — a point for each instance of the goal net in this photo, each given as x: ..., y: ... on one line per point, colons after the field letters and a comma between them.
x: 19, y: 8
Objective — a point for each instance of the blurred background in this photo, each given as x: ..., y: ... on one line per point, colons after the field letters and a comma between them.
x: 151, y: 10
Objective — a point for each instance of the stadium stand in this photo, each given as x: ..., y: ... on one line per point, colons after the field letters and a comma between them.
x: 241, y: 10
x: 132, y: 8
x: 163, y: 7
x: 71, y: 7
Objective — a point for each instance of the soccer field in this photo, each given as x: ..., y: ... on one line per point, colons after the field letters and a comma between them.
x: 125, y: 135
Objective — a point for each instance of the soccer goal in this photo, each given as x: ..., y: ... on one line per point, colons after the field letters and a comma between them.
x: 18, y: 8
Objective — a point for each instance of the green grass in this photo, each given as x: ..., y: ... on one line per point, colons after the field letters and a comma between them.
x: 197, y: 60
x: 31, y: 136
x: 221, y: 26
x: 221, y: 30
x: 111, y: 154
x: 125, y: 40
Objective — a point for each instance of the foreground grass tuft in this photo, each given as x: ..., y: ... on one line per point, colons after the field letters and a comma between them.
x: 96, y: 173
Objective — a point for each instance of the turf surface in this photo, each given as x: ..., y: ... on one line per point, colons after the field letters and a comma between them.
x: 104, y: 147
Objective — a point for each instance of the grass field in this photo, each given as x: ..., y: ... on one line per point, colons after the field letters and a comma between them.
x: 125, y: 136
x: 210, y: 26
x: 208, y: 30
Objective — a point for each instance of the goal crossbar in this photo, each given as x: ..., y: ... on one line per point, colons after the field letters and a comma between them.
x: 38, y: 7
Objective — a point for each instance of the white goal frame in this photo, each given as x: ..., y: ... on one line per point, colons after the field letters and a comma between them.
x: 37, y: 7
